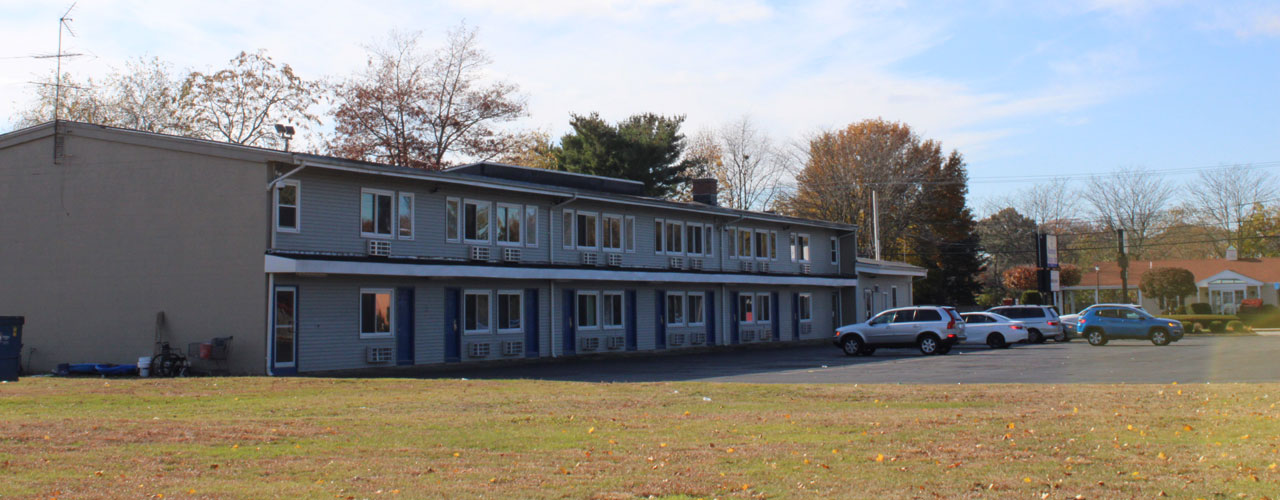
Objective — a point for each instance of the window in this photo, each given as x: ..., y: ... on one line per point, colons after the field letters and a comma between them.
x: 675, y: 237
x: 694, y: 233
x: 612, y: 309
x: 763, y: 312
x: 510, y: 311
x: 696, y: 314
x: 835, y: 308
x: 475, y: 311
x: 927, y: 315
x: 707, y: 235
x: 773, y: 245
x: 746, y: 312
x: 629, y: 233
x: 375, y: 313
x: 587, y: 230
x: 744, y: 243
x: 893, y: 296
x: 588, y: 310
x: 405, y: 220
x: 531, y: 225
x: 284, y: 325
x: 509, y: 226
x: 806, y: 307
x: 762, y: 250
x: 659, y: 226
x: 287, y: 206
x: 675, y: 309
x: 612, y: 232
x: 451, y: 219
x: 566, y: 228
x: 835, y: 251
x: 792, y: 245
x: 375, y: 213
x: 475, y: 221
x: 802, y: 247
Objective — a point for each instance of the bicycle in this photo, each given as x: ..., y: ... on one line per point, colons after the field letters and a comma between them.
x: 169, y: 363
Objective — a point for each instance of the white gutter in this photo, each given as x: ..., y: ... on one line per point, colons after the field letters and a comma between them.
x: 286, y: 175
x: 286, y: 265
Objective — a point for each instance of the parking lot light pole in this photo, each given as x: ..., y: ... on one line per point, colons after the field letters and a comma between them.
x: 1097, y: 283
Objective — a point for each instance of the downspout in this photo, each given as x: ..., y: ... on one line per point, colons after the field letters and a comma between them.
x: 271, y: 286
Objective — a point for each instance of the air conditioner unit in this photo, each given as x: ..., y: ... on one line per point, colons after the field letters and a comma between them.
x: 806, y: 269
x: 676, y: 339
x: 764, y: 267
x: 748, y: 266
x: 513, y: 348
x: 590, y: 344
x: 695, y: 264
x: 480, y: 253
x: 615, y: 342
x: 590, y: 259
x: 806, y: 328
x: 377, y: 355
x: 748, y: 335
x: 478, y: 349
x: 378, y: 248
x: 676, y: 263
x: 698, y: 338
x: 615, y: 260
x: 511, y: 255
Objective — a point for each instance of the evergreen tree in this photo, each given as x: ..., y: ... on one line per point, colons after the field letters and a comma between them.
x: 947, y: 240
x: 647, y: 147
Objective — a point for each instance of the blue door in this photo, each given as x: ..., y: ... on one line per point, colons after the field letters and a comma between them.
x: 630, y: 316
x: 660, y: 320
x: 773, y: 315
x: 570, y: 339
x: 531, y: 334
x: 710, y: 305
x: 452, y: 330
x: 733, y: 318
x: 405, y: 347
x: 795, y: 316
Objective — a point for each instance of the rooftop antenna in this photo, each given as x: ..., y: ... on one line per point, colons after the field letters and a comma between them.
x: 63, y: 22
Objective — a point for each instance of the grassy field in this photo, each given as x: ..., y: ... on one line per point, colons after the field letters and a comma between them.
x: 390, y: 438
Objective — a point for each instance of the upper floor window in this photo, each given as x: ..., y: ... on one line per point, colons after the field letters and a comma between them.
x: 376, y: 211
x: 675, y: 237
x: 451, y: 214
x: 587, y: 230
x: 287, y: 194
x: 405, y: 221
x: 612, y: 232
x: 744, y: 243
x: 629, y: 232
x: 694, y: 232
x: 475, y: 221
x: 510, y: 229
x: 800, y: 247
x: 531, y: 225
x: 835, y: 251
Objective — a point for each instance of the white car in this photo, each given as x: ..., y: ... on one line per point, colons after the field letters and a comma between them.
x: 994, y: 330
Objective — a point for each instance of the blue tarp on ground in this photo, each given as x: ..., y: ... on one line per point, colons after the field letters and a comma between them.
x: 96, y: 369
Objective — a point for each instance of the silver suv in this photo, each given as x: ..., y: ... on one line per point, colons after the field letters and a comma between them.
x: 1042, y: 322
x: 932, y: 329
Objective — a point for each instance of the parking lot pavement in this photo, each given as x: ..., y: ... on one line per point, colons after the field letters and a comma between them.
x: 1193, y: 360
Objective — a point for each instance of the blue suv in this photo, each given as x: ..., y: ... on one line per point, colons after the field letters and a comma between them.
x: 1102, y: 324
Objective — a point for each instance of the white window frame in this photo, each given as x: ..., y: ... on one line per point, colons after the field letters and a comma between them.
x: 806, y: 313
x: 773, y: 245
x: 457, y: 219
x: 391, y: 313
x: 763, y: 235
x: 683, y: 313
x: 742, y: 310
x: 768, y: 310
x: 489, y: 321
x: 679, y: 233
x: 751, y: 243
x: 791, y: 242
x: 518, y: 209
x: 462, y: 228
x: 292, y: 326
x: 702, y: 299
x: 519, y: 295
x: 577, y: 306
x: 531, y: 226
x: 689, y: 229
x: 835, y: 251
x: 621, y: 300
x: 660, y: 236
x: 709, y: 239
x: 806, y: 255
x: 568, y: 230
x: 733, y: 241
x: 629, y: 233
x: 297, y: 203
x: 413, y: 207
x: 604, y: 226
x: 392, y: 229
x: 583, y: 213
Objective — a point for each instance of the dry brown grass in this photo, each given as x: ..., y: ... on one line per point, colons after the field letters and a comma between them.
x: 321, y: 438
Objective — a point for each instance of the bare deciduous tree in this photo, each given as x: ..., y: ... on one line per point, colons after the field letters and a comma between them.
x: 1223, y: 198
x: 146, y: 96
x: 1131, y: 199
x: 420, y: 109
x: 1047, y: 203
x: 81, y: 101
x: 243, y: 102
x: 744, y: 161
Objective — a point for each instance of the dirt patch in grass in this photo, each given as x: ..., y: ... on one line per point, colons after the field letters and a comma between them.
x: 322, y: 438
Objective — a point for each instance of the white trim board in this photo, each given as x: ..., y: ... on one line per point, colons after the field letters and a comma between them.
x: 278, y: 264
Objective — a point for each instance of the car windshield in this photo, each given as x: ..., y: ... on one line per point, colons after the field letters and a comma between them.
x: 1021, y: 312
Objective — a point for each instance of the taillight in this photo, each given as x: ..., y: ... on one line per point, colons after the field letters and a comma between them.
x: 1053, y: 323
x: 1015, y: 327
x: 1080, y: 321
x: 951, y: 324
x: 951, y: 335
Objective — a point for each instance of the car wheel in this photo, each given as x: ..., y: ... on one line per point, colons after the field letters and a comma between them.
x: 1096, y: 337
x: 929, y: 345
x: 868, y: 350
x: 1159, y: 337
x: 996, y: 341
x: 944, y: 348
x: 851, y: 345
x: 1034, y: 336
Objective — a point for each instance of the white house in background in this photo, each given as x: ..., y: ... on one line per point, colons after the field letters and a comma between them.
x: 884, y: 285
x: 1222, y: 283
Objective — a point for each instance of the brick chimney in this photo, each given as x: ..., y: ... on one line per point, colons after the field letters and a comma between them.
x: 706, y: 191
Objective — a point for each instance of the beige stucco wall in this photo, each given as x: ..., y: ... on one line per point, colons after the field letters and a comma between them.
x: 95, y: 247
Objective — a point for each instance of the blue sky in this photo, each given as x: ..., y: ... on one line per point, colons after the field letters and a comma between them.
x: 1024, y: 90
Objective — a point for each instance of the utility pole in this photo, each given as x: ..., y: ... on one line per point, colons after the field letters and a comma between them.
x: 875, y: 222
x: 1123, y: 260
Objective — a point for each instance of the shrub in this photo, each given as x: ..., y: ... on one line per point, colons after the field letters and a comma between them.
x: 1031, y: 297
x: 1201, y: 308
x: 1217, y: 327
x: 989, y: 299
x: 1236, y: 326
x: 1196, y: 327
